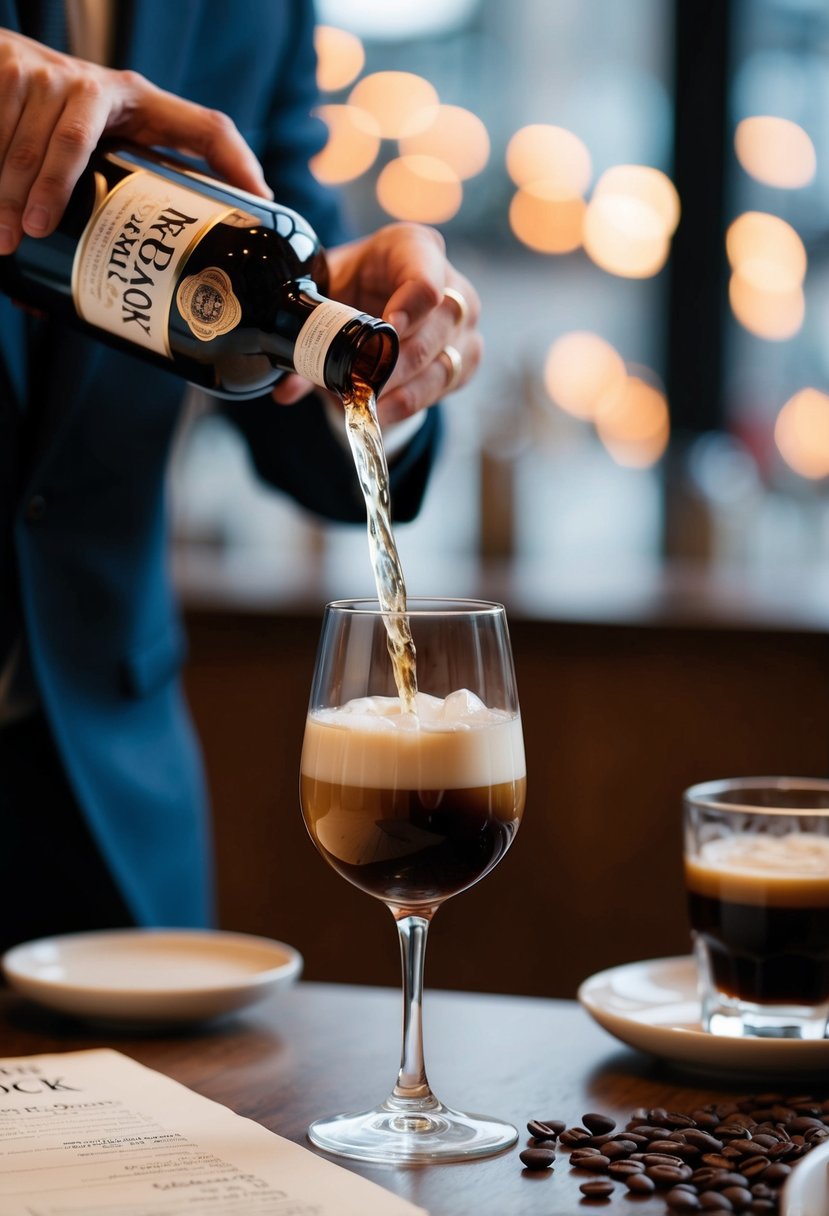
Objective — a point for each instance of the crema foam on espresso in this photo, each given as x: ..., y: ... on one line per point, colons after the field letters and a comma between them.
x: 455, y: 742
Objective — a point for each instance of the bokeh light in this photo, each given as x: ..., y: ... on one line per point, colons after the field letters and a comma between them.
x: 775, y: 151
x: 581, y: 369
x: 769, y: 264
x: 801, y: 433
x: 422, y: 189
x: 553, y: 155
x: 630, y: 220
x: 401, y: 102
x: 773, y: 315
x: 633, y: 423
x: 454, y: 135
x: 545, y: 220
x: 353, y: 144
x: 340, y: 57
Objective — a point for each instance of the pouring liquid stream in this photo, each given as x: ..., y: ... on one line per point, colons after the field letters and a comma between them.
x: 366, y: 442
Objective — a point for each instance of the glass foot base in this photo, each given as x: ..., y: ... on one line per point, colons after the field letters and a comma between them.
x: 405, y: 1133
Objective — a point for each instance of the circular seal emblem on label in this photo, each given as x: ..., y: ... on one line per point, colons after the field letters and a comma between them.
x: 207, y: 303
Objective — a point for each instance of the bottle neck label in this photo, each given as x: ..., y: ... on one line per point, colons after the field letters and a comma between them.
x: 314, y: 339
x: 130, y: 256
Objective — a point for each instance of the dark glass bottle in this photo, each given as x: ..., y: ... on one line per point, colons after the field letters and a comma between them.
x: 217, y: 285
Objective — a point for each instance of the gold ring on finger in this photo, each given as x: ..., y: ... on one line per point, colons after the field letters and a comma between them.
x: 460, y: 302
x: 454, y: 366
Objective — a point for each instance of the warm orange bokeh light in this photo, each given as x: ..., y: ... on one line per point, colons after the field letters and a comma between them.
x: 648, y: 186
x: 454, y: 135
x: 767, y: 251
x: 773, y: 315
x: 769, y: 262
x: 552, y: 155
x: 634, y: 424
x: 401, y: 102
x: 340, y: 57
x: 623, y: 236
x: 422, y: 189
x: 353, y: 144
x: 630, y: 220
x: 547, y: 221
x: 802, y: 433
x: 775, y: 151
x: 581, y: 370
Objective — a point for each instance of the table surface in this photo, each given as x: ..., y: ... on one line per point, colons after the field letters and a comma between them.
x: 319, y: 1049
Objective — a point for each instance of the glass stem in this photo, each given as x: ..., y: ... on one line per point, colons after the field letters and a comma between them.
x: 412, y: 1084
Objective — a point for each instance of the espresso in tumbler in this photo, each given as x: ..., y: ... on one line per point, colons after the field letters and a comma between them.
x: 757, y: 881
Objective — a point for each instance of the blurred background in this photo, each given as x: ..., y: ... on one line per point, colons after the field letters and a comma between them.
x: 640, y: 193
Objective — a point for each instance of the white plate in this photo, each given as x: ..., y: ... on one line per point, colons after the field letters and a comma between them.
x: 653, y: 1006
x: 806, y: 1192
x: 155, y: 976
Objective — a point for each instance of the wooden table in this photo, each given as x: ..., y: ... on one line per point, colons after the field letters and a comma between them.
x: 322, y: 1048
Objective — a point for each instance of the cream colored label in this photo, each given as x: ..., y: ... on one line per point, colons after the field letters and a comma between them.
x: 316, y: 336
x: 207, y: 303
x: 130, y: 255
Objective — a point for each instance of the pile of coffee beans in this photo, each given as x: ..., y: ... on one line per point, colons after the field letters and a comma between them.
x: 723, y: 1158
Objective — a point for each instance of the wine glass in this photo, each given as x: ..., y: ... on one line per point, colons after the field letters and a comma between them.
x: 413, y: 807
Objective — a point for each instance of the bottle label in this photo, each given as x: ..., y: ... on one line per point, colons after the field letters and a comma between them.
x: 207, y: 303
x: 130, y: 255
x: 315, y: 338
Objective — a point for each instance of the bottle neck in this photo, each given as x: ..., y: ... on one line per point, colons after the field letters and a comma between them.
x: 338, y: 345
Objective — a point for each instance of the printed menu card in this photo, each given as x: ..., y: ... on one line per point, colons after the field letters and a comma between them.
x: 94, y: 1133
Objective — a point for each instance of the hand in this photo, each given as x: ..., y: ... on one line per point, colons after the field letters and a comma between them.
x: 400, y: 273
x: 53, y: 110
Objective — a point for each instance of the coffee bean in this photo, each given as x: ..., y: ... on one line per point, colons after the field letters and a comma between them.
x: 640, y: 1184
x: 716, y: 1160
x: 598, y: 1123
x: 616, y: 1149
x: 776, y: 1173
x: 581, y: 1154
x: 665, y: 1175
x: 744, y: 1148
x: 752, y: 1166
x: 759, y: 1206
x: 712, y: 1200
x: 555, y: 1125
x: 597, y: 1163
x: 630, y: 1137
x: 805, y: 1123
x: 625, y: 1169
x: 704, y: 1141
x: 728, y: 1178
x: 680, y: 1200
x: 738, y: 1196
x: 572, y: 1137
x: 599, y: 1189
x: 537, y: 1158
x: 661, y: 1159
x: 541, y: 1131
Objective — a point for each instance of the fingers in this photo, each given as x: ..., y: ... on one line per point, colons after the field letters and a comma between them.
x: 53, y: 110
x: 440, y: 356
x: 76, y: 131
x: 161, y: 117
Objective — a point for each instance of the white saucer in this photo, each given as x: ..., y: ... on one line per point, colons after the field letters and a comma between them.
x: 653, y: 1006
x: 151, y: 976
x: 806, y: 1191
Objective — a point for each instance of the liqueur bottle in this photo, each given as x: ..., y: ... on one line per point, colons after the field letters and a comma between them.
x: 217, y: 285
